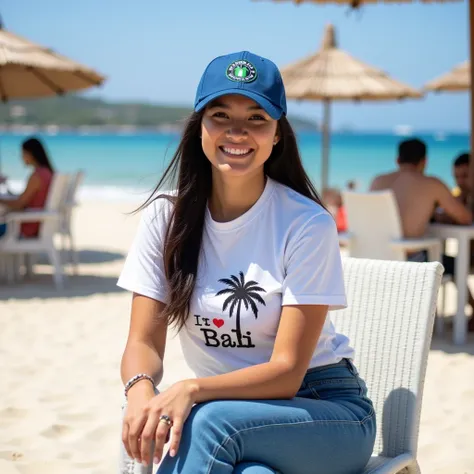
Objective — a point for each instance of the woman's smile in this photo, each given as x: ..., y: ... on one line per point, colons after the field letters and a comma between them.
x: 236, y: 151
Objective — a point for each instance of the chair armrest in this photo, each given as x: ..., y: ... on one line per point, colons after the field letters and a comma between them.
x: 415, y: 244
x: 30, y: 216
x: 431, y: 244
x: 389, y: 465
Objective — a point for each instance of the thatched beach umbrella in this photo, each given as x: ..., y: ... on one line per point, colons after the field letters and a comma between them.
x: 28, y: 70
x: 331, y: 74
x: 458, y: 79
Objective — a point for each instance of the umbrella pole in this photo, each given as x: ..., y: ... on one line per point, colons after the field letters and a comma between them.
x: 471, y: 41
x: 325, y: 144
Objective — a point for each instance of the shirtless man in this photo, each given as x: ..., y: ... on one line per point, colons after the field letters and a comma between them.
x: 461, y: 176
x: 418, y: 196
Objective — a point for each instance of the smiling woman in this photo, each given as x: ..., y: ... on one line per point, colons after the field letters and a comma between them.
x: 237, y: 135
x: 244, y: 261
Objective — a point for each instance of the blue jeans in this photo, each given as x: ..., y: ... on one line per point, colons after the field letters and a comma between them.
x: 3, y: 229
x: 329, y: 428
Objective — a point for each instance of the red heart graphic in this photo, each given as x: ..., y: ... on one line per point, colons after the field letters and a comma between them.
x: 218, y: 322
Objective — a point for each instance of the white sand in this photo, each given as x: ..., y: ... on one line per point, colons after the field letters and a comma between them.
x: 60, y: 389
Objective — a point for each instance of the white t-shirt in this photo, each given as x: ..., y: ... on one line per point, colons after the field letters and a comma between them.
x: 282, y: 251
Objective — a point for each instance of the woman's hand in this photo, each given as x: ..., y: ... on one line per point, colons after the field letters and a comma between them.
x: 142, y: 423
x: 138, y: 398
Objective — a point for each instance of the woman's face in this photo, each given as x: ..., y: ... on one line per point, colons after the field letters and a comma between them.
x: 27, y: 158
x: 238, y: 136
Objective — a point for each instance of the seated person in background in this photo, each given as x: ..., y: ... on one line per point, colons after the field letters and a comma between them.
x: 34, y: 196
x: 418, y: 196
x: 332, y: 199
x: 462, y: 191
x: 463, y: 194
x: 461, y: 176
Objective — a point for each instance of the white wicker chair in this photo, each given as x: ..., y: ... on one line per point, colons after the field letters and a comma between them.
x: 389, y: 319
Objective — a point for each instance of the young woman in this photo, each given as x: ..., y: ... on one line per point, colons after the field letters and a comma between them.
x: 36, y: 192
x: 244, y: 261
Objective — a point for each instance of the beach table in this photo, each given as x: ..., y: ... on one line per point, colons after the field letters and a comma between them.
x: 463, y: 234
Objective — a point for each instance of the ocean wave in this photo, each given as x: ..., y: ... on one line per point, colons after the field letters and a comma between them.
x: 112, y: 193
x: 97, y: 192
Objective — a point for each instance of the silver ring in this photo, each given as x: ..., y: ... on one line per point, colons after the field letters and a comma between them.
x: 166, y: 419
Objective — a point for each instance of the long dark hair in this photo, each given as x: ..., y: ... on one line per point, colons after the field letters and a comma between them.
x: 190, y: 173
x: 36, y: 149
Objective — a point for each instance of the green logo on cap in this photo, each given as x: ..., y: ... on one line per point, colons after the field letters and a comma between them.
x: 241, y: 71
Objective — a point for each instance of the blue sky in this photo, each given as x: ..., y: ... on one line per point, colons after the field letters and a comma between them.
x: 156, y: 50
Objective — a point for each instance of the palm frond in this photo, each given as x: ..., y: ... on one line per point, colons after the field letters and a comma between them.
x: 228, y: 300
x: 228, y: 282
x: 254, y: 307
x: 257, y: 297
x: 255, y: 288
x: 250, y: 283
x: 232, y: 307
x: 236, y: 280
x: 242, y: 279
x: 226, y: 291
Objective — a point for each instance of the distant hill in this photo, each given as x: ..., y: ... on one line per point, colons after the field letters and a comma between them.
x: 75, y: 111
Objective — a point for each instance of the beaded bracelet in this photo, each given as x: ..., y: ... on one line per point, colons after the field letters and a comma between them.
x: 136, y: 379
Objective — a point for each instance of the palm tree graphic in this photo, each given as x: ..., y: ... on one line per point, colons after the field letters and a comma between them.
x: 240, y: 292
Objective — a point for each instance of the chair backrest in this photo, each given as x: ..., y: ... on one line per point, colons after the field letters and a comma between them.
x: 57, y: 191
x: 76, y: 180
x: 373, y: 221
x: 389, y: 319
x: 69, y: 202
x: 56, y: 195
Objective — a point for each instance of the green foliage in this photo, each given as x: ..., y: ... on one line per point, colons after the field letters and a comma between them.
x: 75, y: 111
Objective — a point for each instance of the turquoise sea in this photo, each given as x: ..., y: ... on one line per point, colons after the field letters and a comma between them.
x: 126, y: 166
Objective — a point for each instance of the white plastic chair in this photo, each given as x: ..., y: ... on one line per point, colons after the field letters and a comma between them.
x: 375, y: 229
x: 389, y: 320
x: 375, y: 232
x: 65, y: 228
x: 15, y: 246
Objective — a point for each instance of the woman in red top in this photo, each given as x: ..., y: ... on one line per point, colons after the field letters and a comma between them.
x: 36, y: 192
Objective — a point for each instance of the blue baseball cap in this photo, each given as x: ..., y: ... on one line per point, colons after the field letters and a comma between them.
x: 246, y: 74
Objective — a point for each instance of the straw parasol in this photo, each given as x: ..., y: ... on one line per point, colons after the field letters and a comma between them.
x: 28, y: 70
x: 332, y: 74
x: 458, y: 79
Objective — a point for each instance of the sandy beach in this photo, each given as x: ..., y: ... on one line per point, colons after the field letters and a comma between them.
x: 61, y: 393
